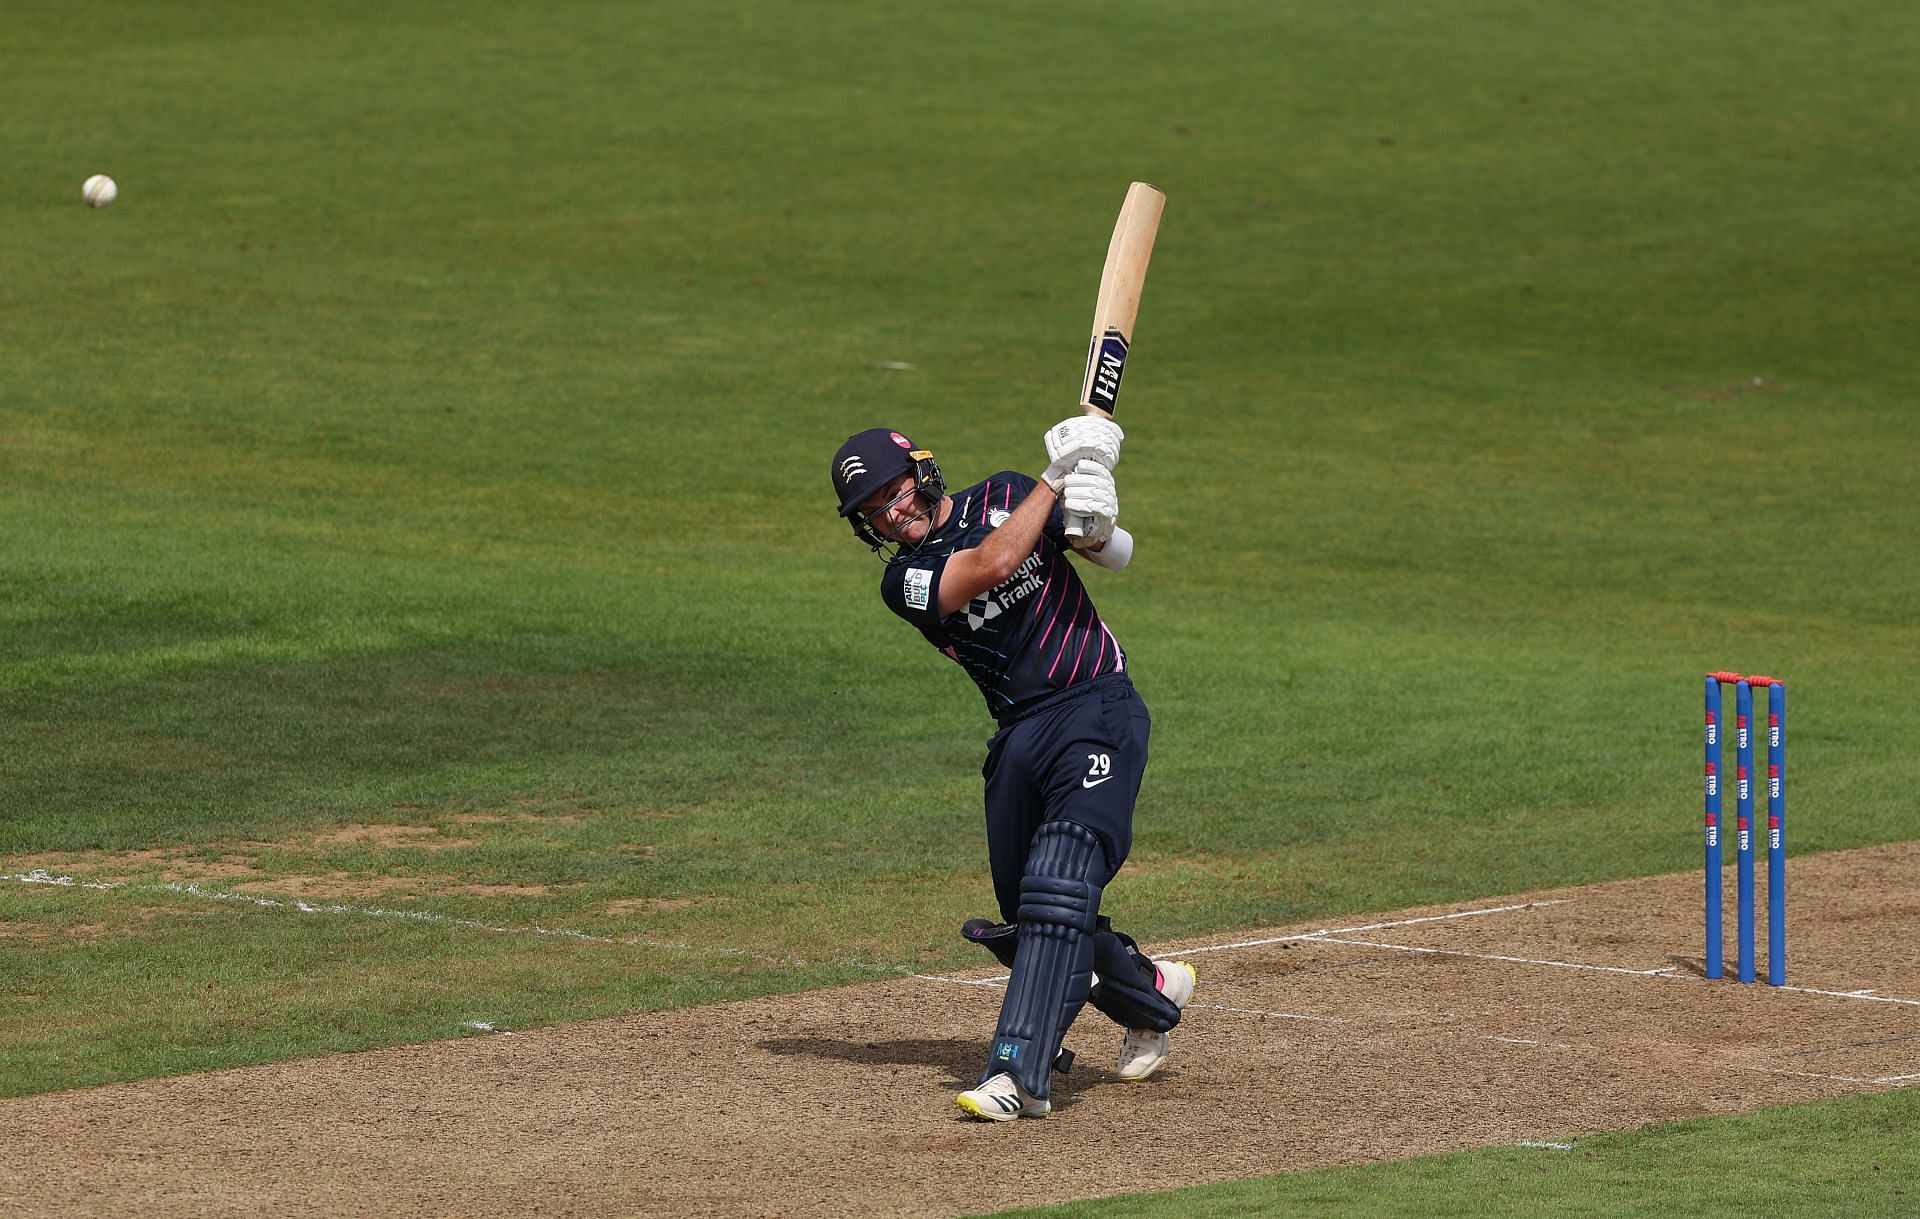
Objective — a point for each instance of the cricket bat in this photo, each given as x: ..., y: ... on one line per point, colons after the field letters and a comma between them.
x: 1121, y: 281
x: 1119, y: 302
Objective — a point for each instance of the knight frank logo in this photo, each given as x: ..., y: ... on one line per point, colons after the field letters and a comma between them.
x: 982, y: 610
x: 1010, y: 592
x: 852, y: 467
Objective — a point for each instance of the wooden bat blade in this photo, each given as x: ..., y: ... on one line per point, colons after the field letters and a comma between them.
x: 1121, y: 282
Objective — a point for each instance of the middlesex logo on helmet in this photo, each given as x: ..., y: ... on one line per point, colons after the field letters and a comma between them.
x: 852, y: 468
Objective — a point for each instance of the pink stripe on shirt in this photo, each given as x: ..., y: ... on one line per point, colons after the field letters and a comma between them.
x: 1077, y: 656
x: 1056, y: 610
x: 1065, y: 636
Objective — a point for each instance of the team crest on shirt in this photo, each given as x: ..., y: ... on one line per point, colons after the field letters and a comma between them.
x: 997, y: 517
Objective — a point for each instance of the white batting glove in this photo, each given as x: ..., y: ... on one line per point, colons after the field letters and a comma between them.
x: 1090, y: 501
x: 1084, y: 438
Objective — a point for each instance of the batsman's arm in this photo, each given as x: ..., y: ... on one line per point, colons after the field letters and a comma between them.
x: 1112, y: 554
x: 972, y: 572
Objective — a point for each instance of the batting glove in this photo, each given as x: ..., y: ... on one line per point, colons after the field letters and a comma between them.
x: 1084, y: 438
x: 1091, y: 502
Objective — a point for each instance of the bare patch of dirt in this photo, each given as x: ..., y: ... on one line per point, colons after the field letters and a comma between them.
x: 241, y: 865
x: 418, y: 837
x: 515, y: 819
x: 477, y: 890
x: 353, y: 886
x: 1542, y: 1016
x: 247, y: 877
x: 155, y: 863
x: 338, y: 886
x: 44, y: 933
x: 648, y: 905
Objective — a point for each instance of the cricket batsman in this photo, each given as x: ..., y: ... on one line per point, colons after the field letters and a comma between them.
x: 985, y: 574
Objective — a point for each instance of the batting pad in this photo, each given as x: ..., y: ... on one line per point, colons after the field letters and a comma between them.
x: 1124, y: 989
x: 1127, y: 994
x: 1053, y: 965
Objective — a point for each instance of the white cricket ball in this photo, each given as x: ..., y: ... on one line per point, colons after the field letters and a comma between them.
x: 99, y: 191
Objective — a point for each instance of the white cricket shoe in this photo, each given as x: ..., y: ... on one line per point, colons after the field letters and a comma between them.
x: 1143, y: 1050
x: 1001, y: 1099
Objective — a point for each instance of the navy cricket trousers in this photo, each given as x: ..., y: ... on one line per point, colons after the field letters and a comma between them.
x: 1080, y: 757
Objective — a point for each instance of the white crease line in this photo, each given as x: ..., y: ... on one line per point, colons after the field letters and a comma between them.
x: 1212, y: 1007
x: 1441, y: 918
x: 1894, y: 1079
x: 1405, y: 922
x: 1545, y: 1045
x: 1663, y: 971
x: 1544, y: 1146
x: 1844, y: 1079
x: 996, y: 983
x: 1254, y: 1011
x: 39, y: 877
x: 1868, y: 995
x: 1278, y: 939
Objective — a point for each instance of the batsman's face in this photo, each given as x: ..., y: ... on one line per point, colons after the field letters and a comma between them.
x: 896, y: 513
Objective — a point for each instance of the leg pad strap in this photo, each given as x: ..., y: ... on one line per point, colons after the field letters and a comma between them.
x: 1123, y: 976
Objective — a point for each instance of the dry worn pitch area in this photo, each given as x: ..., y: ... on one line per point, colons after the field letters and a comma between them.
x: 1540, y: 1016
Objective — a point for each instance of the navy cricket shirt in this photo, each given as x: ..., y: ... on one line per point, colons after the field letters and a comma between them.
x: 1027, y: 638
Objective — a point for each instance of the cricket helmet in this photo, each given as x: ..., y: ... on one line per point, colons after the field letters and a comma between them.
x: 870, y: 460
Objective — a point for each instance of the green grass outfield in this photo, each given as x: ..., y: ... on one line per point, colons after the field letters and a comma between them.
x: 1846, y: 1158
x: 437, y: 428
